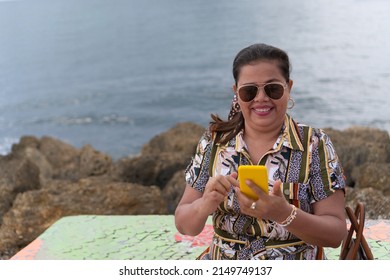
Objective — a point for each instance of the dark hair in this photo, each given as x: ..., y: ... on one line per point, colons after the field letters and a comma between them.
x: 247, y: 56
x: 258, y: 52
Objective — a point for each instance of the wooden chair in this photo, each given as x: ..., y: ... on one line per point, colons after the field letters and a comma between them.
x: 355, y: 246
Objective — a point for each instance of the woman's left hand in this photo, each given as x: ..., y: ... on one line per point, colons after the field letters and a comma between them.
x: 272, y: 206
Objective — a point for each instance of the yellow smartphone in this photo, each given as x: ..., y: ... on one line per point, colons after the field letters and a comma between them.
x: 256, y: 173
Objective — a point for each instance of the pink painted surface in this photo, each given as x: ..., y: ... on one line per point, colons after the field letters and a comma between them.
x: 29, y: 252
x: 202, y: 239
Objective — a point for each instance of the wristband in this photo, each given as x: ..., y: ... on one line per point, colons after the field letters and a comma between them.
x: 290, y: 218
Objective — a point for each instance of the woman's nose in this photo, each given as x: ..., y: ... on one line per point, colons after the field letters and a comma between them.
x: 261, y: 95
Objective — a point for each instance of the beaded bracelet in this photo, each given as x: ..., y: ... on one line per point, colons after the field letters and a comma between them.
x: 290, y: 218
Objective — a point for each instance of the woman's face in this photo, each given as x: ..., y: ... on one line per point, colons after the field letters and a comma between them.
x: 263, y: 114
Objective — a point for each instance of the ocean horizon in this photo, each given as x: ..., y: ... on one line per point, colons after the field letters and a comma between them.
x: 113, y: 74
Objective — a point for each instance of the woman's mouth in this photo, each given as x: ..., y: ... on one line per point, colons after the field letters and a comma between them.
x: 262, y: 111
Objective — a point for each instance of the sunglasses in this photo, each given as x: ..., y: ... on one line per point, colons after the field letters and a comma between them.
x: 274, y: 90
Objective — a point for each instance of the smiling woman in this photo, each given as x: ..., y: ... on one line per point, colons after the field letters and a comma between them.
x: 68, y: 65
x: 263, y: 114
x: 304, y: 210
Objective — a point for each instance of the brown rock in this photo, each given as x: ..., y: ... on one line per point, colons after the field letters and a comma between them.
x: 373, y: 175
x: 161, y: 157
x: 19, y: 172
x: 35, y: 156
x: 16, y: 175
x: 93, y: 163
x: 26, y: 176
x: 45, y: 179
x: 35, y: 211
x: 58, y: 153
x: 25, y: 142
x: 173, y: 191
x: 59, y: 160
x: 7, y: 196
x: 377, y: 206
x: 358, y: 145
x: 150, y: 169
x: 182, y: 138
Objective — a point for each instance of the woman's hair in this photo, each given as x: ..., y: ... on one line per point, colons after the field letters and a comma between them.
x: 248, y: 56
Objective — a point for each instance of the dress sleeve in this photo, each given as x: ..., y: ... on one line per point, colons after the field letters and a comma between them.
x: 197, y: 172
x: 326, y: 173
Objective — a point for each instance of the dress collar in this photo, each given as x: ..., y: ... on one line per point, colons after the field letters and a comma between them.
x: 288, y: 137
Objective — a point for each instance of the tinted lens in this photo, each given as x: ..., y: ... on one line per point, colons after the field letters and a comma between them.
x: 247, y: 93
x: 274, y: 91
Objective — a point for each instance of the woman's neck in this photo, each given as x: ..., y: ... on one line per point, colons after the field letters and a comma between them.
x: 259, y: 142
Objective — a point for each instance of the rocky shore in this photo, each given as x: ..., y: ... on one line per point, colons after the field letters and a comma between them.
x: 44, y: 179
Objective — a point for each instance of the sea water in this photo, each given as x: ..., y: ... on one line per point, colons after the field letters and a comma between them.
x: 114, y: 74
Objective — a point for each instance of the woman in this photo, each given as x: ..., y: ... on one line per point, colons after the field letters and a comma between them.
x: 304, y: 210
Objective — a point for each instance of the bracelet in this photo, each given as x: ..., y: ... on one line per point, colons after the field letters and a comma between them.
x: 290, y: 218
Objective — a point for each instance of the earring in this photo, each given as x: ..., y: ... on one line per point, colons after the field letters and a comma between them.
x: 291, y: 103
x: 235, y: 108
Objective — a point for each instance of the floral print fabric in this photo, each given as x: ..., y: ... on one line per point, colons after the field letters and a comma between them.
x: 303, y: 158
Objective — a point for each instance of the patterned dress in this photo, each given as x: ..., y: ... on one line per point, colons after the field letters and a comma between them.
x: 303, y: 158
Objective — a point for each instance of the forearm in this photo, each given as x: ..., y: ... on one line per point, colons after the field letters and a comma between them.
x: 324, y: 230
x: 190, y: 218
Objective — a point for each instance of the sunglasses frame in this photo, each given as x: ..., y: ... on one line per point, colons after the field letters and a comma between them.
x: 258, y: 86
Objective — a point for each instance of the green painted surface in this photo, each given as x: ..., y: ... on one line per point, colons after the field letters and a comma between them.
x: 115, y: 238
x: 132, y: 237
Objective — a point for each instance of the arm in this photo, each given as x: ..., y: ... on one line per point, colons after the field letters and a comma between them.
x: 190, y: 206
x: 325, y: 227
x: 194, y: 208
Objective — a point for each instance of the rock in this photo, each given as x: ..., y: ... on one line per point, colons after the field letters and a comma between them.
x: 26, y: 176
x: 373, y: 175
x: 93, y: 163
x: 59, y: 160
x: 42, y: 180
x: 25, y: 142
x: 7, y: 196
x: 150, y: 169
x: 35, y: 156
x: 174, y: 190
x: 35, y: 211
x: 161, y: 157
x: 182, y: 138
x: 19, y: 172
x: 60, y: 155
x: 16, y: 175
x: 377, y: 206
x: 54, y: 158
x: 358, y: 145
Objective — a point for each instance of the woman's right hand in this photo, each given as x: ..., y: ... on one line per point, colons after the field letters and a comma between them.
x: 195, y: 207
x: 217, y: 189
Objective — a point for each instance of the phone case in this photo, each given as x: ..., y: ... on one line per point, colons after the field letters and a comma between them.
x: 258, y: 174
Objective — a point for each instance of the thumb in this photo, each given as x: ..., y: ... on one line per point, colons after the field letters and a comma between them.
x: 234, y: 175
x: 277, y: 189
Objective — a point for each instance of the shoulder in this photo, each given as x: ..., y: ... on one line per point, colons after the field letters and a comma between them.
x: 206, y: 138
x: 314, y: 134
x: 205, y: 142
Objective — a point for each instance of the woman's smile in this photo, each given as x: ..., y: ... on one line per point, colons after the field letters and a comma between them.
x: 262, y: 110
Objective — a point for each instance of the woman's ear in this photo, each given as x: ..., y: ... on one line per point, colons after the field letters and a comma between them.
x: 234, y: 88
x: 290, y: 84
